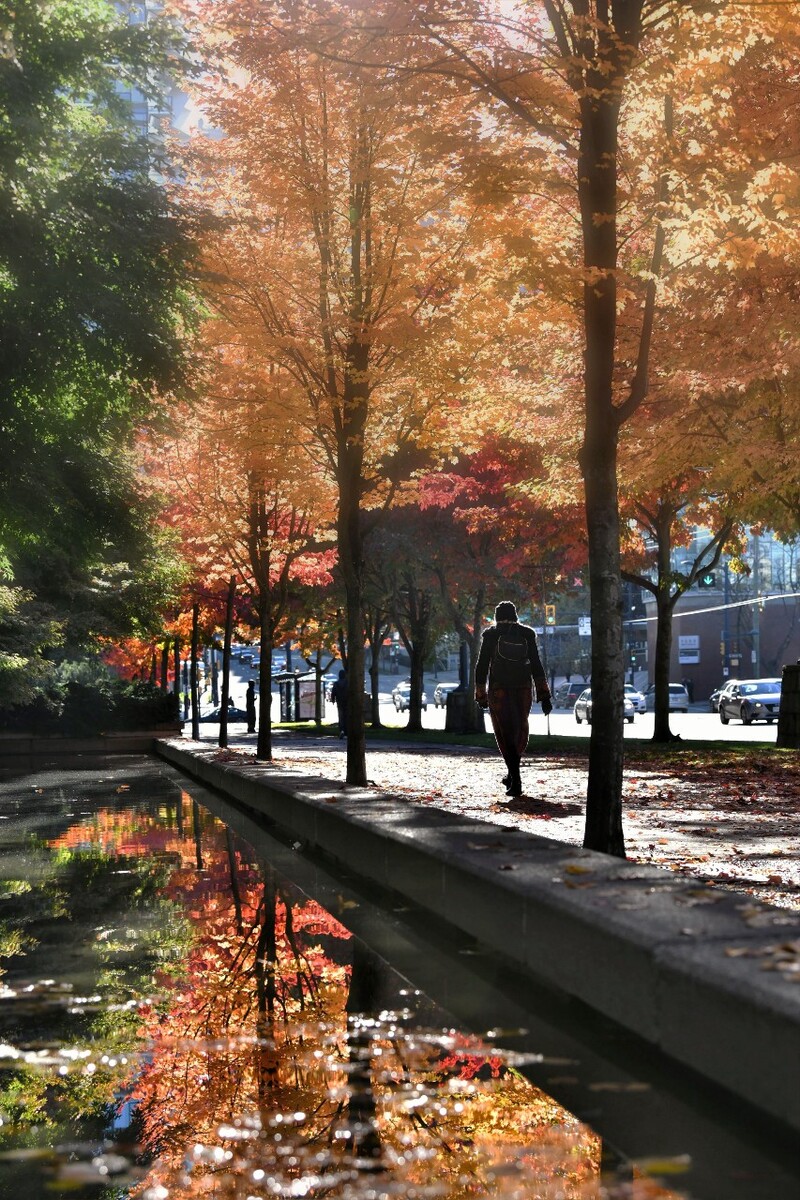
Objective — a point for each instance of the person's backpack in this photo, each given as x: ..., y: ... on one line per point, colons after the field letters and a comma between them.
x: 510, y: 661
x: 512, y: 646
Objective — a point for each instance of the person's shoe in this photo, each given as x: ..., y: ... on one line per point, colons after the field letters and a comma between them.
x: 515, y: 786
x: 506, y: 781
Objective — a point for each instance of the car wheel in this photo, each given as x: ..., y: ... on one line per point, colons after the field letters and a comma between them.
x: 770, y: 720
x: 723, y: 716
x: 747, y: 714
x: 398, y: 705
x: 629, y: 720
x: 424, y: 708
x: 577, y: 718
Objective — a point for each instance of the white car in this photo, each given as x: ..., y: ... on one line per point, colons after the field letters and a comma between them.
x: 583, y: 708
x: 441, y: 692
x: 401, y: 695
x: 678, y: 698
x: 750, y: 700
x: 636, y: 698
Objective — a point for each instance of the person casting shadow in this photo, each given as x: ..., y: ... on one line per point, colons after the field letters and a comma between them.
x: 509, y: 658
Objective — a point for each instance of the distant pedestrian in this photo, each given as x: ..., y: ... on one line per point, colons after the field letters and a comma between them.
x: 339, y: 696
x: 250, y: 706
x: 509, y: 658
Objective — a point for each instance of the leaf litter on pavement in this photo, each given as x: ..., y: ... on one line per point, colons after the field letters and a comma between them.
x: 729, y: 817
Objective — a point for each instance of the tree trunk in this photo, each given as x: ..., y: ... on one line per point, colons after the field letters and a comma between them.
x: 176, y: 645
x: 193, y: 673
x: 417, y: 655
x: 665, y: 604
x: 597, y: 188
x: 355, y: 405
x: 164, y: 665
x: 267, y: 635
x: 226, y: 663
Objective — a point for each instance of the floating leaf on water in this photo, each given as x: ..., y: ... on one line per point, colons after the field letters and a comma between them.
x: 677, y: 1164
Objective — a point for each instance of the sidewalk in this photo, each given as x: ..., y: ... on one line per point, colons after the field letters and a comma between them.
x: 704, y: 976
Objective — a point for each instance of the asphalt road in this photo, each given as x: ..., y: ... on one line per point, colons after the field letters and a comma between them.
x: 696, y: 725
x: 691, y: 726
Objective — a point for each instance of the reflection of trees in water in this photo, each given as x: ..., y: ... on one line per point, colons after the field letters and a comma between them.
x: 269, y: 1027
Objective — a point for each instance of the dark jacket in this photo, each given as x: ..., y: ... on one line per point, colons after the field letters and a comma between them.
x: 510, y: 658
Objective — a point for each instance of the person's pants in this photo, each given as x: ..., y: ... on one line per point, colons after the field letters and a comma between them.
x: 509, y: 709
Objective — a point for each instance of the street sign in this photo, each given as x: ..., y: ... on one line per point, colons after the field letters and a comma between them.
x: 584, y: 626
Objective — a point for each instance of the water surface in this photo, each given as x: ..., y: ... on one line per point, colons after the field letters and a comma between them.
x: 191, y: 1008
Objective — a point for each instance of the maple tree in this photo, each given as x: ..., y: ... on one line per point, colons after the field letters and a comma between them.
x: 240, y: 494
x: 495, y: 534
x: 587, y: 82
x: 338, y: 257
x: 668, y: 518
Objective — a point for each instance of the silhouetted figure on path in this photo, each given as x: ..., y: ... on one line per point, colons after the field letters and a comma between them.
x: 250, y: 706
x: 339, y: 695
x: 509, y: 657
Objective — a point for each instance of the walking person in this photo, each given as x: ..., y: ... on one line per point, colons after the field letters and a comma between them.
x: 250, y: 706
x: 509, y: 658
x: 339, y: 695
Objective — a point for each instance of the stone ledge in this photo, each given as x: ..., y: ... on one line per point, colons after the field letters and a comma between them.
x: 639, y: 944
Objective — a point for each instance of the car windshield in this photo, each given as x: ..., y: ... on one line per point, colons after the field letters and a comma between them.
x: 761, y: 685
x: 677, y: 688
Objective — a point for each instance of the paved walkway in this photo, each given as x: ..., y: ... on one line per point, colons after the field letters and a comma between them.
x: 707, y: 975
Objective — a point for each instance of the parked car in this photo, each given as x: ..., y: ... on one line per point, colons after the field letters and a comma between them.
x: 678, y: 698
x: 583, y: 708
x: 234, y: 714
x: 636, y: 698
x: 566, y: 694
x: 441, y: 692
x: 750, y: 700
x: 401, y: 695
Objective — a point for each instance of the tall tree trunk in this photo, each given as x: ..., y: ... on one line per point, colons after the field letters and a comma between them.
x: 597, y: 189
x: 267, y: 635
x: 665, y: 604
x: 193, y: 673
x: 164, y: 665
x: 226, y: 662
x: 355, y: 405
x: 176, y: 645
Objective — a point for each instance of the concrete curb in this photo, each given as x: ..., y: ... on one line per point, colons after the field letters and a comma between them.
x: 691, y: 970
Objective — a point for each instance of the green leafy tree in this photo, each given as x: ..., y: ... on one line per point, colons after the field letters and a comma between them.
x: 93, y: 308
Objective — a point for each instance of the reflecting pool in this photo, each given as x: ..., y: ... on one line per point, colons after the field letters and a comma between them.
x: 188, y: 1007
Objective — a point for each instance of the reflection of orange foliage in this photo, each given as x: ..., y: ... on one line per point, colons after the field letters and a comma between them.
x: 250, y: 1073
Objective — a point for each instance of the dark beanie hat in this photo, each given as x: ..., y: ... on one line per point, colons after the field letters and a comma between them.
x: 505, y: 611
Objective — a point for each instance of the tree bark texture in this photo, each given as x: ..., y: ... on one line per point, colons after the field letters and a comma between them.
x: 193, y: 673
x: 597, y: 189
x: 354, y: 411
x: 226, y: 662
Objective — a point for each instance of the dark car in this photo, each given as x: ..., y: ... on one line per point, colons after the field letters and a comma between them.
x: 583, y: 708
x: 441, y: 692
x: 750, y: 700
x: 234, y: 714
x: 567, y: 693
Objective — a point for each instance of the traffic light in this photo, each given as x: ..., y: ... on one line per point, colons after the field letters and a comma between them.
x: 707, y: 580
x: 549, y: 614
